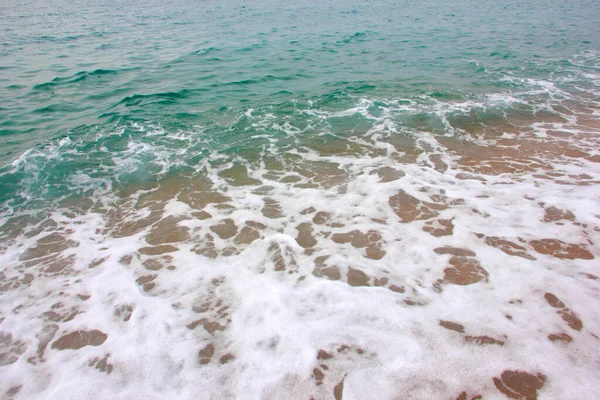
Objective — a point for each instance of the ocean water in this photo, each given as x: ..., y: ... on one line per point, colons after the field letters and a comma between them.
x: 357, y: 200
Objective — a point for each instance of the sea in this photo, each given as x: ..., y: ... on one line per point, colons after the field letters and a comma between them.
x: 300, y: 199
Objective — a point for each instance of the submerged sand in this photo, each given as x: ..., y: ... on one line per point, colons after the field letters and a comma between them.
x: 457, y: 267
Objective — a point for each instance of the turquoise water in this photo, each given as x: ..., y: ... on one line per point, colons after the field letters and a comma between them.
x: 272, y: 200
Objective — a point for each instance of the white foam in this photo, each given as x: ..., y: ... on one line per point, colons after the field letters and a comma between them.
x: 273, y: 314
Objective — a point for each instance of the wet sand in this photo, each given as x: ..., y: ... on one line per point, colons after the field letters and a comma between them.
x: 321, y: 268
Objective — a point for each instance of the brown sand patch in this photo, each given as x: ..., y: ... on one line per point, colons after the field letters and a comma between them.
x: 272, y: 209
x: 560, y: 337
x: 406, y: 146
x: 305, y: 237
x: 559, y: 134
x: 198, y: 199
x: 464, y: 396
x: 146, y: 282
x: 168, y: 231
x: 15, y: 282
x: 155, y: 264
x: 559, y: 249
x: 206, y: 353
x: 216, y: 316
x: 439, y: 227
x: 388, y: 174
x: 256, y: 224
x: 594, y: 158
x: 44, y: 338
x: 453, y: 326
x: 507, y: 156
x: 455, y: 251
x: 58, y: 265
x: 283, y: 258
x: 271, y: 175
x: 554, y: 301
x: 238, y: 176
x: 145, y: 279
x: 157, y: 250
x: 50, y: 244
x: 356, y: 277
x: 321, y: 218
x: 306, y: 186
x: 321, y: 173
x: 246, y: 236
x: 226, y: 229
x: 318, y: 375
x: 201, y: 215
x: 290, y: 179
x: 22, y: 225
x: 554, y: 214
x: 210, y: 326
x: 323, y: 355
x: 371, y: 240
x: 126, y: 260
x: 338, y: 390
x: 207, y: 248
x: 273, y: 163
x: 565, y: 313
x: 58, y: 317
x: 588, y: 121
x: 441, y: 202
x: 98, y: 261
x: 438, y: 164
x: 483, y: 340
x: 571, y: 319
x: 10, y: 349
x: 380, y: 281
x: 321, y: 269
x: 226, y: 358
x: 520, y: 385
x: 325, y: 218
x: 124, y: 312
x: 102, y: 364
x: 396, y: 288
x: 328, y: 367
x: 465, y: 176
x: 343, y: 348
x: 464, y: 271
x: 308, y: 210
x: 230, y: 251
x: 78, y: 339
x: 508, y: 247
x: 58, y: 313
x: 263, y: 190
x: 410, y: 209
x: 411, y: 302
x: 157, y: 193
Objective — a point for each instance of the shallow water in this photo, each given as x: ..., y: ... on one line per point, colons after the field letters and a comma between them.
x: 341, y: 200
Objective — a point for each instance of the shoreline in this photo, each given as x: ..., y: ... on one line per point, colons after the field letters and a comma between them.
x: 427, y: 259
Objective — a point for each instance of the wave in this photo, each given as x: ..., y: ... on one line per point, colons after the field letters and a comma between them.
x: 79, y: 77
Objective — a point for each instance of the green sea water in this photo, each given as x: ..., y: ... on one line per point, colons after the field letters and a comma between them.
x: 300, y: 199
x: 192, y: 72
